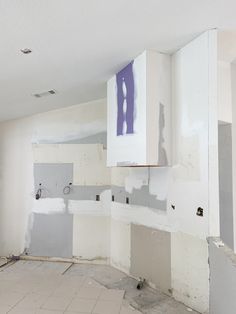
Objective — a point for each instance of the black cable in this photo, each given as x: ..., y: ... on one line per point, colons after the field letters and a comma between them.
x: 67, y: 189
x: 38, y: 194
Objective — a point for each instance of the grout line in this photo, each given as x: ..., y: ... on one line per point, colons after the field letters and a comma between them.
x: 67, y: 268
x: 16, y: 303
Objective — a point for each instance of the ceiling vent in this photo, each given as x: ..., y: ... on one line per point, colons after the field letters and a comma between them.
x: 44, y: 94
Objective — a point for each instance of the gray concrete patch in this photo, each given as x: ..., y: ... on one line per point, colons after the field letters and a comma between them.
x: 151, y: 256
x: 139, y: 197
x: 53, y: 178
x: 222, y: 279
x: 52, y: 235
x: 86, y: 192
x: 162, y: 156
x: 225, y: 184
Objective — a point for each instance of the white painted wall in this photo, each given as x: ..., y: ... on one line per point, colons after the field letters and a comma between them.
x: 120, y: 245
x: 91, y: 237
x: 186, y: 184
x: 191, y: 182
x: 190, y: 273
x: 16, y: 161
x: 224, y: 92
x: 89, y: 161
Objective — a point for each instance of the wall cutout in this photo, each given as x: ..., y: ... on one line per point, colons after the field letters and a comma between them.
x: 125, y: 100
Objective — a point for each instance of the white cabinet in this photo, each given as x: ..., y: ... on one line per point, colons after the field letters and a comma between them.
x: 138, y: 112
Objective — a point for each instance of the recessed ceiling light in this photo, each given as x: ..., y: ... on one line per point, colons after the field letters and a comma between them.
x: 26, y: 51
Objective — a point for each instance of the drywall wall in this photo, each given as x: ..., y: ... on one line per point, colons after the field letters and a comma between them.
x: 151, y: 256
x: 120, y: 244
x: 17, y: 159
x: 226, y: 184
x: 78, y: 180
x: 227, y: 116
x: 233, y: 82
x: 93, y: 245
x: 83, y: 157
x: 190, y: 270
x: 222, y: 278
x: 51, y: 235
x: 182, y: 188
x: 179, y: 191
x: 224, y: 92
x: 51, y: 179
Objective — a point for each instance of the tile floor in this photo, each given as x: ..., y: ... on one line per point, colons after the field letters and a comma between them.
x: 34, y: 287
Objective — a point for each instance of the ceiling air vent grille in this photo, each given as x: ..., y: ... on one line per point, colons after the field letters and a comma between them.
x: 44, y: 94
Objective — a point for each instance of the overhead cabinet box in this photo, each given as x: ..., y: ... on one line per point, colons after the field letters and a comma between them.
x: 138, y: 108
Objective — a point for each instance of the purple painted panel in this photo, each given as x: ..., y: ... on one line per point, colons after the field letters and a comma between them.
x: 125, y: 100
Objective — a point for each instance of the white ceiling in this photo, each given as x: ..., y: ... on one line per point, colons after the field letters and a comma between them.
x: 78, y: 44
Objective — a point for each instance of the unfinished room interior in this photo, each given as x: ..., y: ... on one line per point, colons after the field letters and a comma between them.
x: 118, y: 156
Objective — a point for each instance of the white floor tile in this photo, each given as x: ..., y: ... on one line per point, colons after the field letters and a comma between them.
x: 32, y: 301
x: 57, y: 303
x: 10, y: 298
x: 112, y: 295
x: 107, y: 307
x: 82, y: 305
x: 48, y: 312
x: 92, y: 283
x: 89, y: 292
x: 16, y: 310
